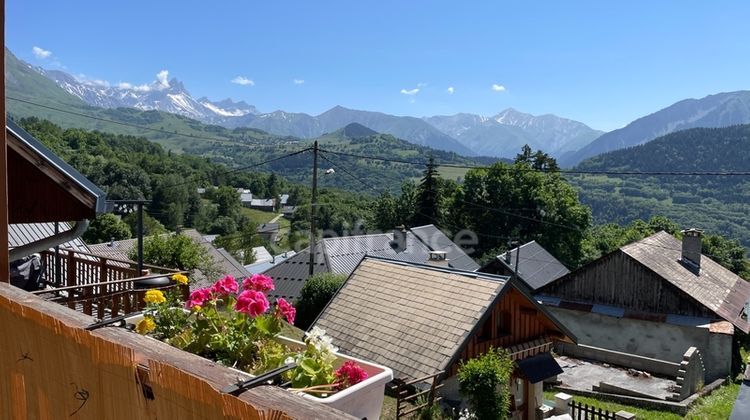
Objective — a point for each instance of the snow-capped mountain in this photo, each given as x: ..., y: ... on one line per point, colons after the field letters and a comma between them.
x: 163, y: 94
x: 504, y: 134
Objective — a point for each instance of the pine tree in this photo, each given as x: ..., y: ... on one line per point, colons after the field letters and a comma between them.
x: 428, y: 194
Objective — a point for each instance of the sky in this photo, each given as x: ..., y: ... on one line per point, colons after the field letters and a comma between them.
x: 603, y: 63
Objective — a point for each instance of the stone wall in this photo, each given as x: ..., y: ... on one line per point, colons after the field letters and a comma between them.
x: 655, y: 340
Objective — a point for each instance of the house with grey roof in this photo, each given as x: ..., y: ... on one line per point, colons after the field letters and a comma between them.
x: 421, y: 319
x: 536, y: 266
x: 268, y: 231
x: 654, y: 298
x: 341, y: 255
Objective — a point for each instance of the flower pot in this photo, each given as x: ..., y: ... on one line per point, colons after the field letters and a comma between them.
x: 362, y: 400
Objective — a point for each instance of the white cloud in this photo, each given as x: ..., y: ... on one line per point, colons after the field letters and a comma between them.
x: 450, y: 90
x: 124, y: 85
x: 141, y: 88
x: 41, y: 53
x: 162, y: 79
x: 410, y: 92
x: 498, y: 88
x: 421, y: 85
x: 242, y: 80
x: 299, y: 81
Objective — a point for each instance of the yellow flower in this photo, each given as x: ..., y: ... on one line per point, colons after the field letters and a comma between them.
x: 180, y: 278
x: 196, y: 308
x: 145, y: 326
x: 154, y: 296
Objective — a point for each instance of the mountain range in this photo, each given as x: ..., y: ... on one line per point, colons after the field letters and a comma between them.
x: 502, y: 135
x: 719, y: 110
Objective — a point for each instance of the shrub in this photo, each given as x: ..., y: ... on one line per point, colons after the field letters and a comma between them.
x: 315, y: 295
x: 484, y: 381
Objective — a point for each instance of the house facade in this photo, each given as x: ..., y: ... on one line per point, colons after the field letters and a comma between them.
x: 422, y: 319
x: 655, y: 298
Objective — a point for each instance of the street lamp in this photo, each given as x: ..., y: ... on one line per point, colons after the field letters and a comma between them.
x: 125, y: 207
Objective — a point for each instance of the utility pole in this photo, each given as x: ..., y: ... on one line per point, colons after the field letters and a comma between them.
x: 518, y: 253
x: 313, y: 205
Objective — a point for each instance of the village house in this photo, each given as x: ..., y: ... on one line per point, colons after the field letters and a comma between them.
x: 536, y: 266
x: 269, y: 232
x: 421, y: 319
x: 341, y: 256
x: 653, y: 299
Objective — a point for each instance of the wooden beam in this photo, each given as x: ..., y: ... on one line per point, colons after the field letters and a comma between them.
x: 4, y: 263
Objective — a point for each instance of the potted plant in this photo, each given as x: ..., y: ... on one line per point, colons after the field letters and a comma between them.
x: 236, y: 326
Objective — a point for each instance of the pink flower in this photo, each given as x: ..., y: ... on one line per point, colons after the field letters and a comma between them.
x: 198, y: 298
x: 252, y: 303
x: 226, y: 286
x: 285, y: 309
x: 259, y: 282
x: 349, y: 374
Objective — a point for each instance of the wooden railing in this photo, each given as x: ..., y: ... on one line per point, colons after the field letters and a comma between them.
x: 96, y: 285
x: 108, y: 299
x: 405, y: 396
x: 74, y: 268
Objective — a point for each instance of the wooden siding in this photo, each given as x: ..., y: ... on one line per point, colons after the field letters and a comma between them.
x: 34, y: 197
x: 619, y: 280
x: 526, y: 324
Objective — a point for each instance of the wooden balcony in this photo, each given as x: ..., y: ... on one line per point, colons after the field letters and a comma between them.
x: 98, y: 286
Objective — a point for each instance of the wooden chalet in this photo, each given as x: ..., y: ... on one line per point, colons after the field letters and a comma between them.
x: 55, y: 361
x: 423, y: 319
x: 656, y: 298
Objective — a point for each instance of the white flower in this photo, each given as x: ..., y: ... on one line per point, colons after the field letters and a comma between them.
x: 315, y: 333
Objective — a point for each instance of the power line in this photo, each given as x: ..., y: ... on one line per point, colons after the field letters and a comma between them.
x: 560, y: 171
x: 574, y: 228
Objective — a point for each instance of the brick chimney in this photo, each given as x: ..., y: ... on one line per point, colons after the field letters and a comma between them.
x: 691, y: 247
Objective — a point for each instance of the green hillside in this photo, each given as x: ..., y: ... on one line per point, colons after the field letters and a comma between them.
x: 717, y: 203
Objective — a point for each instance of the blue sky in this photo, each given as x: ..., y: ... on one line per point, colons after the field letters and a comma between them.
x: 601, y: 62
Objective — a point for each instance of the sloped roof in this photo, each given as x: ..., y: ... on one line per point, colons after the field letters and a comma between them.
x: 290, y: 275
x: 260, y: 267
x: 261, y: 254
x: 408, y: 317
x: 114, y: 249
x: 268, y: 227
x: 437, y: 241
x: 714, y: 287
x: 536, y: 266
x: 342, y: 255
x: 25, y: 233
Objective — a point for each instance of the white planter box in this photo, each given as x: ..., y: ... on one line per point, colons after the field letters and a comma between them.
x: 363, y: 400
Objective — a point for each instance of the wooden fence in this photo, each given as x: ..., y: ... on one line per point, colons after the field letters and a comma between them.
x: 580, y: 411
x: 405, y: 397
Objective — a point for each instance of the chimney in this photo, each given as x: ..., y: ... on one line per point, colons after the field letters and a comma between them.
x: 439, y: 258
x: 507, y: 257
x: 399, y: 239
x: 691, y: 247
x: 111, y: 242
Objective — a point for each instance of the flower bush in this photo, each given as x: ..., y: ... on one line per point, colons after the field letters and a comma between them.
x: 237, y: 328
